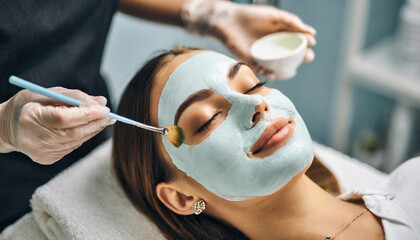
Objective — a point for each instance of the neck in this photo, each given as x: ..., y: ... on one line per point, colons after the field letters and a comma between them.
x: 300, y: 210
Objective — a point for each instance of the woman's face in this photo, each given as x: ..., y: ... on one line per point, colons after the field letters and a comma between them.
x: 242, y: 139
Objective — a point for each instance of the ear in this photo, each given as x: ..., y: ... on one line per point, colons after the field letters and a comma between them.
x: 176, y: 201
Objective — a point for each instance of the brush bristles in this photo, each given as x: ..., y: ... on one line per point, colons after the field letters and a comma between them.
x: 175, y: 135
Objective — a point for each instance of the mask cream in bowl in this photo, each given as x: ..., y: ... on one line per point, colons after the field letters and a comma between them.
x: 281, y: 52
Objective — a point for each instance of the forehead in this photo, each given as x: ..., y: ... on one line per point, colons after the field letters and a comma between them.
x: 162, y: 77
x: 203, y: 70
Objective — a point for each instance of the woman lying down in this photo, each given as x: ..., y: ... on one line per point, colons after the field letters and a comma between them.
x: 241, y: 172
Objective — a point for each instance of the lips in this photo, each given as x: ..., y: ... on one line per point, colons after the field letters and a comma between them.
x: 274, y: 137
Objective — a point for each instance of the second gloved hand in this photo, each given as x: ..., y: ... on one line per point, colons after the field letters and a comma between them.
x: 239, y: 25
x: 47, y: 130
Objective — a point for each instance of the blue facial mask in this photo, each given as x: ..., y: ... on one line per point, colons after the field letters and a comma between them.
x: 220, y: 162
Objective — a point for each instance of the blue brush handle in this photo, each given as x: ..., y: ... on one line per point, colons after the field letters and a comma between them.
x: 71, y: 101
x: 43, y: 91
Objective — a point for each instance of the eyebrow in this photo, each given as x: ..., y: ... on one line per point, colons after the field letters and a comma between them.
x: 235, y: 69
x: 195, y: 97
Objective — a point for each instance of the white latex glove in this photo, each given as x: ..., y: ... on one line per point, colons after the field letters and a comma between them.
x: 46, y: 130
x: 239, y: 25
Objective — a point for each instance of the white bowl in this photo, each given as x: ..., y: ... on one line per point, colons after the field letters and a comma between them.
x: 281, y: 52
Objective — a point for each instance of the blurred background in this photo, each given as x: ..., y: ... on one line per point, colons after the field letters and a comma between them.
x: 361, y: 95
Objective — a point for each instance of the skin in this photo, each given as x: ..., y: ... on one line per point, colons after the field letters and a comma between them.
x: 300, y: 210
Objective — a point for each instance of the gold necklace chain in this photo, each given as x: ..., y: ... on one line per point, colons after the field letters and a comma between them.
x: 331, y: 237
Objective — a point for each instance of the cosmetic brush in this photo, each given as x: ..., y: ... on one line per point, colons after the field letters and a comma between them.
x: 174, y: 134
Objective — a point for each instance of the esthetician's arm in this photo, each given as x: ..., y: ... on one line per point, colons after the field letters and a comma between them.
x: 46, y: 130
x: 236, y: 25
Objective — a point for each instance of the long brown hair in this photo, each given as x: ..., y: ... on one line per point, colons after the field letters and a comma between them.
x: 140, y: 166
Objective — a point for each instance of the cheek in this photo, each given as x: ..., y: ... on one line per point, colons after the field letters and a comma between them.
x: 225, y: 142
x: 221, y: 142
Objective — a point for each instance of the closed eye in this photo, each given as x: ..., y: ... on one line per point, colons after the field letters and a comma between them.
x: 258, y: 85
x: 208, y: 123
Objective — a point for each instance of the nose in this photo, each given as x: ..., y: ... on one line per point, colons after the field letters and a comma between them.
x: 260, y: 110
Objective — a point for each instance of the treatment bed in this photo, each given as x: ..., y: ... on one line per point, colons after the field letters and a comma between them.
x: 85, y: 201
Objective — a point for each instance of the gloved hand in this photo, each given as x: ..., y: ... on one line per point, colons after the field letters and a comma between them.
x: 46, y: 130
x: 239, y: 25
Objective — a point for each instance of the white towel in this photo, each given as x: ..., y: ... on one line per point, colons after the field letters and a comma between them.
x: 85, y: 202
x: 25, y: 228
x: 350, y: 173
